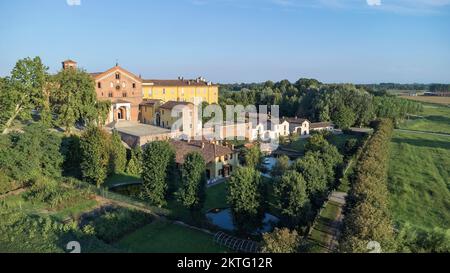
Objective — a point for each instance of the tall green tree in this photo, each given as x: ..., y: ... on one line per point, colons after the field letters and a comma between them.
x: 193, y: 182
x: 33, y: 153
x: 158, y: 167
x: 94, y: 155
x: 253, y: 157
x: 313, y: 171
x: 73, y: 98
x: 244, y: 191
x: 134, y: 166
x: 292, y: 198
x: 345, y: 117
x: 280, y: 241
x: 118, y: 154
x: 281, y: 166
x: 316, y: 142
x: 103, y: 109
x: 245, y: 199
x: 23, y: 91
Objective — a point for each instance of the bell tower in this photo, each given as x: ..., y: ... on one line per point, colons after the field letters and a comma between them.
x: 69, y: 64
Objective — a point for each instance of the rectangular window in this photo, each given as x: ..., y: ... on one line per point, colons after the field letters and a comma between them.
x: 117, y: 76
x: 110, y: 94
x: 99, y: 85
x: 134, y: 85
x: 124, y: 94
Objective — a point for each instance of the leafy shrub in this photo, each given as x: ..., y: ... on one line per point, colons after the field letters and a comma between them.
x: 35, y: 234
x: 57, y: 194
x: 7, y: 184
x: 113, y: 225
x: 280, y: 241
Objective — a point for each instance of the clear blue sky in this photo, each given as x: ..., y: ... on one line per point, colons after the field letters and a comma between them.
x: 360, y: 41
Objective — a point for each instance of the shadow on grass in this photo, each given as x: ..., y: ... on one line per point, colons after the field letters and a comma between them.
x: 440, y: 119
x: 424, y: 143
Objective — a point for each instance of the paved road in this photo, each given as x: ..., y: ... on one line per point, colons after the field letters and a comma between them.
x: 422, y: 132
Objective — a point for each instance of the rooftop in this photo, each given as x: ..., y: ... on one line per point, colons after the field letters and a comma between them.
x: 317, y: 125
x: 295, y: 120
x: 172, y: 104
x: 209, y: 151
x: 178, y: 82
x: 139, y: 129
x: 150, y: 102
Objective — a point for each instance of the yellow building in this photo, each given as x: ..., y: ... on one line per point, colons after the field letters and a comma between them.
x: 148, y: 111
x: 198, y: 90
x: 166, y: 115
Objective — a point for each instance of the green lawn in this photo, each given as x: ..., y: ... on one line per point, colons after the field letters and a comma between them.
x: 118, y: 179
x: 216, y: 197
x: 419, y: 179
x: 165, y: 237
x: 435, y: 119
x: 321, y: 234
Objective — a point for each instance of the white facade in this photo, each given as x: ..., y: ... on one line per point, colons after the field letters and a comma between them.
x: 259, y: 132
x: 301, y: 128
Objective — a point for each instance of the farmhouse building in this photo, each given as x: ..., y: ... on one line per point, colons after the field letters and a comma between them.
x: 221, y: 161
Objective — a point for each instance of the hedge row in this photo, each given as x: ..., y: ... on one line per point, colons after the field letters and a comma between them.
x: 367, y: 214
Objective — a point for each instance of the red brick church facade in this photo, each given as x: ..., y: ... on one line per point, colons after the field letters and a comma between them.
x: 121, y: 87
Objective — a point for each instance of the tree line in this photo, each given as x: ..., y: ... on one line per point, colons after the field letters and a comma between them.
x: 62, y: 100
x: 346, y: 105
x: 296, y: 191
x: 367, y: 213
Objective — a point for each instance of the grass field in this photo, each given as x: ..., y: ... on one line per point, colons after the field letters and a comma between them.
x: 419, y: 179
x: 38, y: 208
x: 434, y: 119
x: 118, y: 179
x: 430, y: 99
x: 216, y: 197
x: 165, y: 237
x: 320, y: 234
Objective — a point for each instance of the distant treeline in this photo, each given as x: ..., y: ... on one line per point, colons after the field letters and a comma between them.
x: 346, y: 105
x: 434, y: 87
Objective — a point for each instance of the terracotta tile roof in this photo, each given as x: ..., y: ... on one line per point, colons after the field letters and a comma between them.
x: 171, y: 104
x: 320, y: 125
x: 296, y: 120
x: 150, y: 102
x: 97, y: 75
x: 209, y: 151
x: 178, y: 83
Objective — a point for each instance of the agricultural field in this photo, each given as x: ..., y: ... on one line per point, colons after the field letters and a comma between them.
x: 434, y: 119
x: 419, y: 179
x: 429, y: 99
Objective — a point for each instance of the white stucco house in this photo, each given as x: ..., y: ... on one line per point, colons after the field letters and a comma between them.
x: 264, y: 130
x: 298, y: 126
x: 322, y: 126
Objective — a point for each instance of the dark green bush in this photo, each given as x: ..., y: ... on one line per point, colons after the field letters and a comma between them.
x: 113, y: 225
